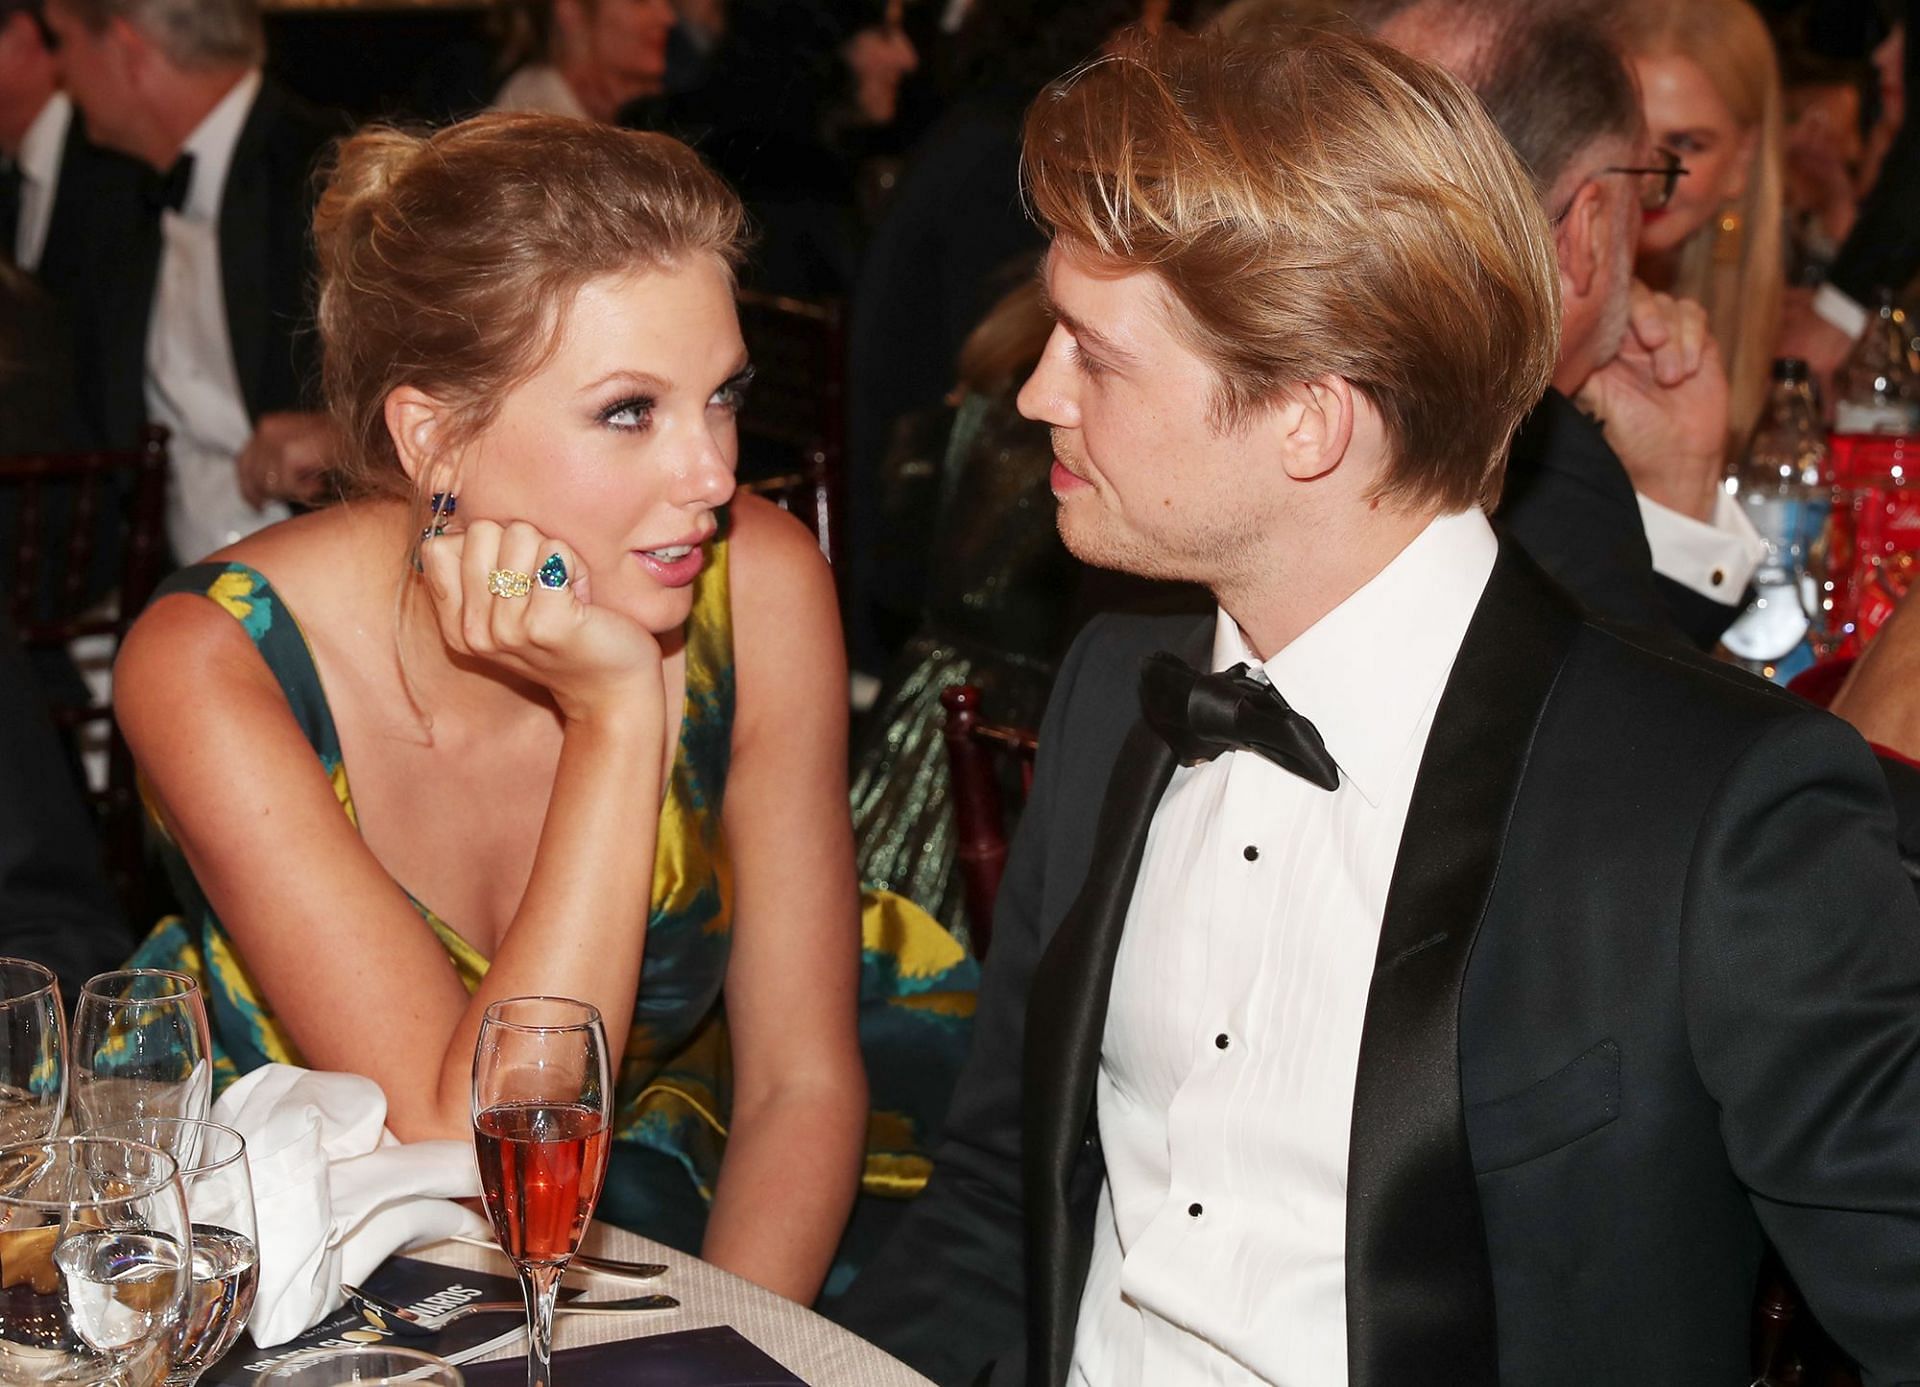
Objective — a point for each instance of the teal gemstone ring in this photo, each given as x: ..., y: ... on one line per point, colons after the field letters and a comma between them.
x: 553, y: 573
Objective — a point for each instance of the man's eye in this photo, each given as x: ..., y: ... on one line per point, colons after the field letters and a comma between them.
x: 1083, y: 363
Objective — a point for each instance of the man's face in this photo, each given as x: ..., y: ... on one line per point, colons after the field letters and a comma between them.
x: 1145, y: 482
x: 27, y: 77
x: 95, y: 72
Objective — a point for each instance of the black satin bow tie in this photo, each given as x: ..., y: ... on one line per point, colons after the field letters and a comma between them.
x: 168, y: 191
x: 1201, y: 715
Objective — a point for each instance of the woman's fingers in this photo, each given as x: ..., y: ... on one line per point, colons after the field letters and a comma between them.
x: 508, y: 599
x: 479, y: 556
x: 441, y: 560
x: 554, y: 607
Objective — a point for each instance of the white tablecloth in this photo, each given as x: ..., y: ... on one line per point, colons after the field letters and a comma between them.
x: 820, y: 1353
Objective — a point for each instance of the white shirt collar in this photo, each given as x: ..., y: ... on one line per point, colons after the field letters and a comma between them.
x: 212, y: 144
x: 45, y: 141
x: 1366, y: 672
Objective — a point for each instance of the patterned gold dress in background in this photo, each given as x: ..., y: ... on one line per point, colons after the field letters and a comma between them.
x: 673, y: 1091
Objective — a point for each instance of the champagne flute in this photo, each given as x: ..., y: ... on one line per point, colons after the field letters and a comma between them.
x: 33, y: 1044
x: 140, y: 1049
x: 364, y: 1367
x: 541, y: 1089
x: 226, y: 1240
x: 94, y: 1238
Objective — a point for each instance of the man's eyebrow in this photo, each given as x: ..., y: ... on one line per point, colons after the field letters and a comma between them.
x: 1085, y: 333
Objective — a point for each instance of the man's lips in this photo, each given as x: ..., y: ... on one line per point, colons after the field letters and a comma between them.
x: 1061, y: 480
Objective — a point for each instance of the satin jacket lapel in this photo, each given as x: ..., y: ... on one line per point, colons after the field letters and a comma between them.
x: 246, y: 248
x: 1066, y: 1017
x: 1419, y: 1285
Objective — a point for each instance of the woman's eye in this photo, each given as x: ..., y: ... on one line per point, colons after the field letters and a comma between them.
x: 733, y: 395
x: 630, y: 415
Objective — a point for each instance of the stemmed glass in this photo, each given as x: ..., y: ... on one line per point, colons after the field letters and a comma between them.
x: 33, y: 1044
x: 364, y: 1367
x: 226, y: 1240
x: 541, y: 1093
x: 140, y: 1049
x: 94, y: 1237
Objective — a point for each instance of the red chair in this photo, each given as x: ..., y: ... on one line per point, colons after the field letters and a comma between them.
x: 792, y: 432
x: 62, y: 507
x: 978, y: 756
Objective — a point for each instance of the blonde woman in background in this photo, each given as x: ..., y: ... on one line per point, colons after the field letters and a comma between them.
x: 1710, y: 82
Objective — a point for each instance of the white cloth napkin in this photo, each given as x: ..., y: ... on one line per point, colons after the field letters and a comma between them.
x: 335, y: 1193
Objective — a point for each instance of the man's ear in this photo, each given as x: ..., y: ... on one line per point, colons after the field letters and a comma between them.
x: 417, y: 423
x: 1315, y: 425
x: 1577, y: 241
x: 129, y: 47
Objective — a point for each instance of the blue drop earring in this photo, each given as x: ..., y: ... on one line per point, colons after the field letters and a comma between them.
x: 439, y: 510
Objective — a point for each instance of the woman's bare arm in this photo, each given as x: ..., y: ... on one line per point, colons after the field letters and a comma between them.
x: 800, y: 1096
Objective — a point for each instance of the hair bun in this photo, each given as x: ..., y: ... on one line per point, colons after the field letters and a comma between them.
x: 364, y: 167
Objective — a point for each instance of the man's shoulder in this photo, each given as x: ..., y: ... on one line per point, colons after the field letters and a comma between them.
x: 1107, y: 653
x: 1557, y: 444
x: 288, y: 130
x: 1713, y: 708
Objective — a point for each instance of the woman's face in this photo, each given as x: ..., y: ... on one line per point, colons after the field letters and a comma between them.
x: 881, y: 56
x: 623, y: 443
x: 1686, y: 114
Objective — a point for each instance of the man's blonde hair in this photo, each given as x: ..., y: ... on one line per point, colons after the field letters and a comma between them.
x: 1318, y: 204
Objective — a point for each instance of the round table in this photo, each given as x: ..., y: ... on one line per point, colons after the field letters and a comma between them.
x: 817, y: 1351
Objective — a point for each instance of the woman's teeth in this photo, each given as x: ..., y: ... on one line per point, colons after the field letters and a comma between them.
x: 670, y: 554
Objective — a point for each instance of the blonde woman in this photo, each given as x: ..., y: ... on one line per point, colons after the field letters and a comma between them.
x: 1710, y: 82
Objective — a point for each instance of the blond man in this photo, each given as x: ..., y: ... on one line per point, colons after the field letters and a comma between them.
x: 1445, y: 988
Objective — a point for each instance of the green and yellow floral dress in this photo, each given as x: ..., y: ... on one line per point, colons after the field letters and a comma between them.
x: 673, y: 1094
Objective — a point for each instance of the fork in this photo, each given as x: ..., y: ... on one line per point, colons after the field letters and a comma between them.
x: 610, y: 1266
x: 382, y: 1313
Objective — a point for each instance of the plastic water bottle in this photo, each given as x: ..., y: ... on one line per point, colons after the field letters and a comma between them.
x: 1785, y: 486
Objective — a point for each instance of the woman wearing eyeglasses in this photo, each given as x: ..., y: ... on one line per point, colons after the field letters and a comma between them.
x: 1710, y: 83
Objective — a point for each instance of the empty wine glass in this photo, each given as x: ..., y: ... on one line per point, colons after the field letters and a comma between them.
x: 541, y: 1089
x: 140, y: 1049
x: 226, y: 1258
x: 366, y: 1367
x: 93, y: 1237
x: 33, y: 1044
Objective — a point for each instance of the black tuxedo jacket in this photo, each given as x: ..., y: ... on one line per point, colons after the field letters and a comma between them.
x: 1648, y: 987
x: 1570, y: 504
x: 266, y: 272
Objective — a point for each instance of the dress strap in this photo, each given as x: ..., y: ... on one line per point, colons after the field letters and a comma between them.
x: 250, y: 599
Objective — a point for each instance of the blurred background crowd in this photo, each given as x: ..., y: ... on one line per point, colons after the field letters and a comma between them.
x: 157, y: 177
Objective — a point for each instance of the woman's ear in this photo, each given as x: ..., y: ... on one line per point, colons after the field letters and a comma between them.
x: 415, y: 421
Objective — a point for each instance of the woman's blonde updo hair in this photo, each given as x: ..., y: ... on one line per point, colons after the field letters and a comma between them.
x: 447, y: 260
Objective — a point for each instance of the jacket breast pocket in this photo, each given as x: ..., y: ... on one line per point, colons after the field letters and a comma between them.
x: 1580, y: 1097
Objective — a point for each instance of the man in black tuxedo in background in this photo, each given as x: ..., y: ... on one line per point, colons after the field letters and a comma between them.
x: 58, y: 190
x: 1471, y: 1019
x: 204, y: 323
x: 1619, y: 495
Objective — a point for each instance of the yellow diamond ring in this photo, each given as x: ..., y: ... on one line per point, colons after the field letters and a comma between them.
x: 507, y: 582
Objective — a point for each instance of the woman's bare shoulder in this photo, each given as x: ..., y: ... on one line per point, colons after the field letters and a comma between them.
x: 323, y: 565
x: 786, y: 611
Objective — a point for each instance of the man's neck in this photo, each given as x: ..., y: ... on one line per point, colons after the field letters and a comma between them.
x: 186, y: 100
x: 1274, y: 607
x: 19, y: 109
